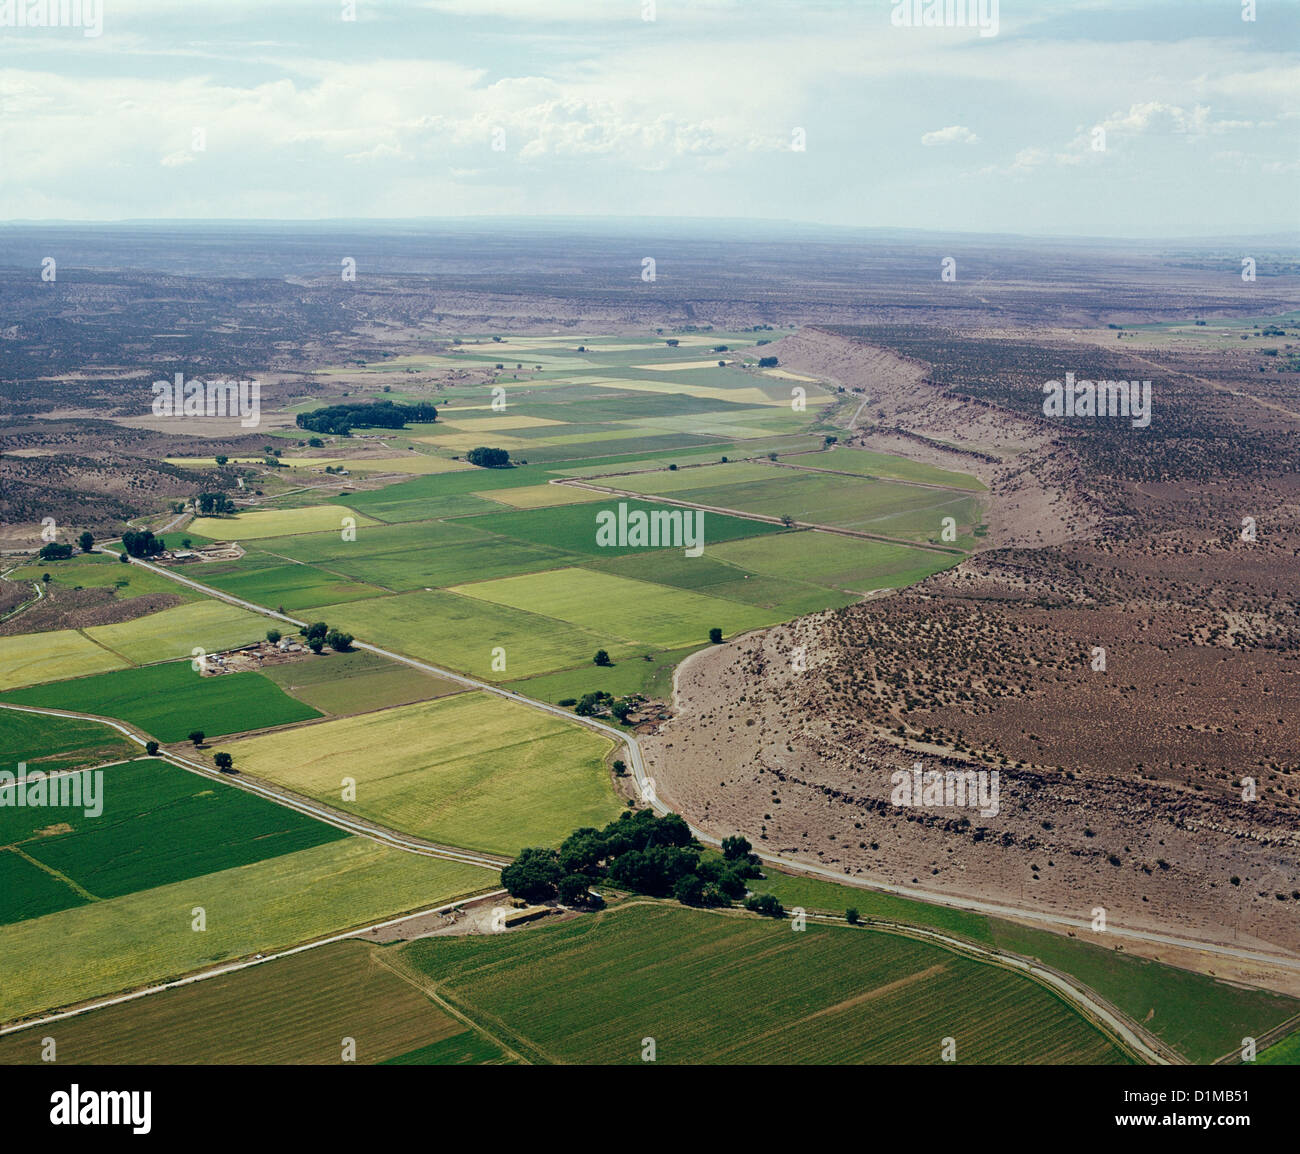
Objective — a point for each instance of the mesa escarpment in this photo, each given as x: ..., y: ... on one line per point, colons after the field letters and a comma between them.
x: 1133, y: 685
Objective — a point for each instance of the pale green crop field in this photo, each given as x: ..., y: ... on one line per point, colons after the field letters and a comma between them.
x: 475, y: 770
x: 464, y: 633
x: 30, y: 658
x: 207, y: 625
x: 636, y: 611
x: 104, y: 947
x: 277, y: 522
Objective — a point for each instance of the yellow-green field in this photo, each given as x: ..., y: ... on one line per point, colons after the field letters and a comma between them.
x: 475, y: 770
x: 276, y: 522
x: 415, y: 463
x: 621, y: 607
x: 542, y: 496
x: 31, y: 658
x: 294, y: 1011
x: 104, y: 947
x: 207, y: 625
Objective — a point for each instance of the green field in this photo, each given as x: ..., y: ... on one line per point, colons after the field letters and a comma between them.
x: 617, y: 607
x: 27, y: 891
x: 870, y: 506
x: 1200, y: 1017
x: 1283, y: 1053
x: 279, y: 585
x: 293, y: 1010
x: 474, y: 770
x: 103, y: 947
x: 843, y: 562
x: 460, y: 633
x: 170, y: 700
x: 208, y: 625
x: 30, y: 658
x: 863, y: 462
x: 734, y: 989
x: 652, y: 678
x: 357, y: 682
x: 54, y: 743
x: 160, y: 824
x: 573, y: 527
x: 419, y: 555
x: 100, y: 571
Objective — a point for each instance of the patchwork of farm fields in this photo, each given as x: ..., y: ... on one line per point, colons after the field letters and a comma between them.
x: 100, y: 948
x: 1200, y: 1017
x: 474, y: 770
x: 293, y: 1010
x: 158, y: 825
x: 716, y: 988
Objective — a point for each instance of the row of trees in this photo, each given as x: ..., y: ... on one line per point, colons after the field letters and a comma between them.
x: 642, y: 853
x: 340, y: 420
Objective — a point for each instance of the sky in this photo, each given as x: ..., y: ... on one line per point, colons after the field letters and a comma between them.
x: 1061, y: 117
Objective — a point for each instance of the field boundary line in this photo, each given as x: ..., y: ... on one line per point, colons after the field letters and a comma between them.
x: 430, y: 991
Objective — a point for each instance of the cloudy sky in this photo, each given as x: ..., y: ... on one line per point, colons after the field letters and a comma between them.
x: 287, y: 109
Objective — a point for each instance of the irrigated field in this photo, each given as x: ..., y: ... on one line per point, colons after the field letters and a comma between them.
x: 54, y: 743
x: 731, y: 989
x: 357, y: 682
x: 30, y: 658
x: 208, y: 625
x: 619, y: 608
x: 169, y: 701
x: 159, y: 824
x: 474, y: 770
x: 103, y: 947
x: 277, y: 522
x: 462, y: 633
x: 1200, y: 1017
x: 881, y: 507
x: 294, y: 1010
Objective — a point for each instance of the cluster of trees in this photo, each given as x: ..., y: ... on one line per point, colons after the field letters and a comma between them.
x: 488, y: 458
x: 318, y: 635
x: 55, y: 552
x: 214, y: 504
x: 340, y: 420
x: 767, y: 362
x: 642, y: 853
x: 142, y: 543
x: 598, y: 702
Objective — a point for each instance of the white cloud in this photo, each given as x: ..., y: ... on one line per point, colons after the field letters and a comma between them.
x: 953, y: 134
